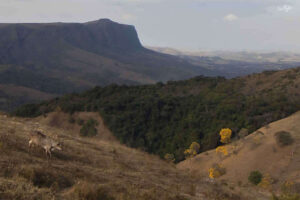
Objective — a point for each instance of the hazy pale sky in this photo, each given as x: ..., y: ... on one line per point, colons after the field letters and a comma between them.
x: 272, y: 25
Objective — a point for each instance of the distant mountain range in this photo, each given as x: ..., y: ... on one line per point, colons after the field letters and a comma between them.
x: 232, y: 64
x: 246, y: 56
x: 40, y: 61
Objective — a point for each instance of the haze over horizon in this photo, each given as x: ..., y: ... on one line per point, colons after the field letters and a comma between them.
x: 231, y: 25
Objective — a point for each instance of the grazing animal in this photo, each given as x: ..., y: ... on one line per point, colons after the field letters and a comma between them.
x: 39, y: 139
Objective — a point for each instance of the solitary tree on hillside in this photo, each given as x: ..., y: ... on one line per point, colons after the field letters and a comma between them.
x: 225, y: 134
x: 193, y: 150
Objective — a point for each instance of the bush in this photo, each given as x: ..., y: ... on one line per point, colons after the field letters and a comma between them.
x: 42, y: 177
x: 89, y: 128
x: 88, y: 191
x: 222, y: 150
x: 243, y: 133
x: 255, y: 177
x: 169, y: 157
x: 283, y: 138
x: 193, y: 150
x: 28, y: 110
x: 225, y: 134
x: 216, y: 171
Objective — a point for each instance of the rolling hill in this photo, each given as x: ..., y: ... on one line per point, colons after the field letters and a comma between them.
x: 257, y: 151
x: 167, y: 118
x: 91, y: 168
x: 102, y: 168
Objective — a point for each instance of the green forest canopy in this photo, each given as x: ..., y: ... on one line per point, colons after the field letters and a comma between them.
x: 167, y: 118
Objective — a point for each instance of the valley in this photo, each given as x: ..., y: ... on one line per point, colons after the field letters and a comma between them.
x: 124, y: 121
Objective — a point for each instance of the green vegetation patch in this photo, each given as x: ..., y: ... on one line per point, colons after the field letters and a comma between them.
x: 255, y: 177
x: 167, y: 118
x: 284, y: 138
x: 89, y: 128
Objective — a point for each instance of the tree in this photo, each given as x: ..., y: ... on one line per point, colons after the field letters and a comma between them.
x: 169, y: 157
x: 193, y: 150
x: 243, y: 133
x: 255, y: 177
x: 222, y: 149
x: 216, y: 171
x: 284, y: 138
x: 225, y: 134
x: 89, y: 128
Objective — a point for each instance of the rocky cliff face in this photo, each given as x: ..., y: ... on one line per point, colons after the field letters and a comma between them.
x: 112, y: 35
x: 38, y: 42
x: 59, y: 58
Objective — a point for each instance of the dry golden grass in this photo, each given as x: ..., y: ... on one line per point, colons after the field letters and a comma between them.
x: 89, y: 168
x: 287, y: 80
x: 258, y: 151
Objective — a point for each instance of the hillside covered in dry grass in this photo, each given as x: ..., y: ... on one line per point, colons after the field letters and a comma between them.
x: 91, y: 168
x: 277, y: 160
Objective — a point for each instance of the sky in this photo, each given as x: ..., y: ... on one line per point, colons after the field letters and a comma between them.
x: 227, y: 25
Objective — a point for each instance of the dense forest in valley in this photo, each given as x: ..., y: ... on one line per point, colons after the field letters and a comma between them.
x: 167, y: 118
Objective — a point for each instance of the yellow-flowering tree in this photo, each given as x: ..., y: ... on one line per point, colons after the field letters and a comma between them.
x: 213, y: 173
x: 193, y: 150
x: 225, y: 134
x: 216, y: 171
x: 222, y: 150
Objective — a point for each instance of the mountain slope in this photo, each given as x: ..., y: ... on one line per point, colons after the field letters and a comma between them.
x: 167, y: 118
x: 91, y: 168
x: 59, y: 58
x: 258, y: 151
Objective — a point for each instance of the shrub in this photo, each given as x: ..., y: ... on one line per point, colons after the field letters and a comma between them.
x: 255, y: 177
x: 89, y: 128
x: 193, y: 150
x: 283, y: 138
x: 222, y: 150
x: 216, y: 171
x: 225, y: 134
x: 169, y: 157
x: 42, y: 177
x: 88, y: 191
x: 243, y: 133
x: 28, y: 110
